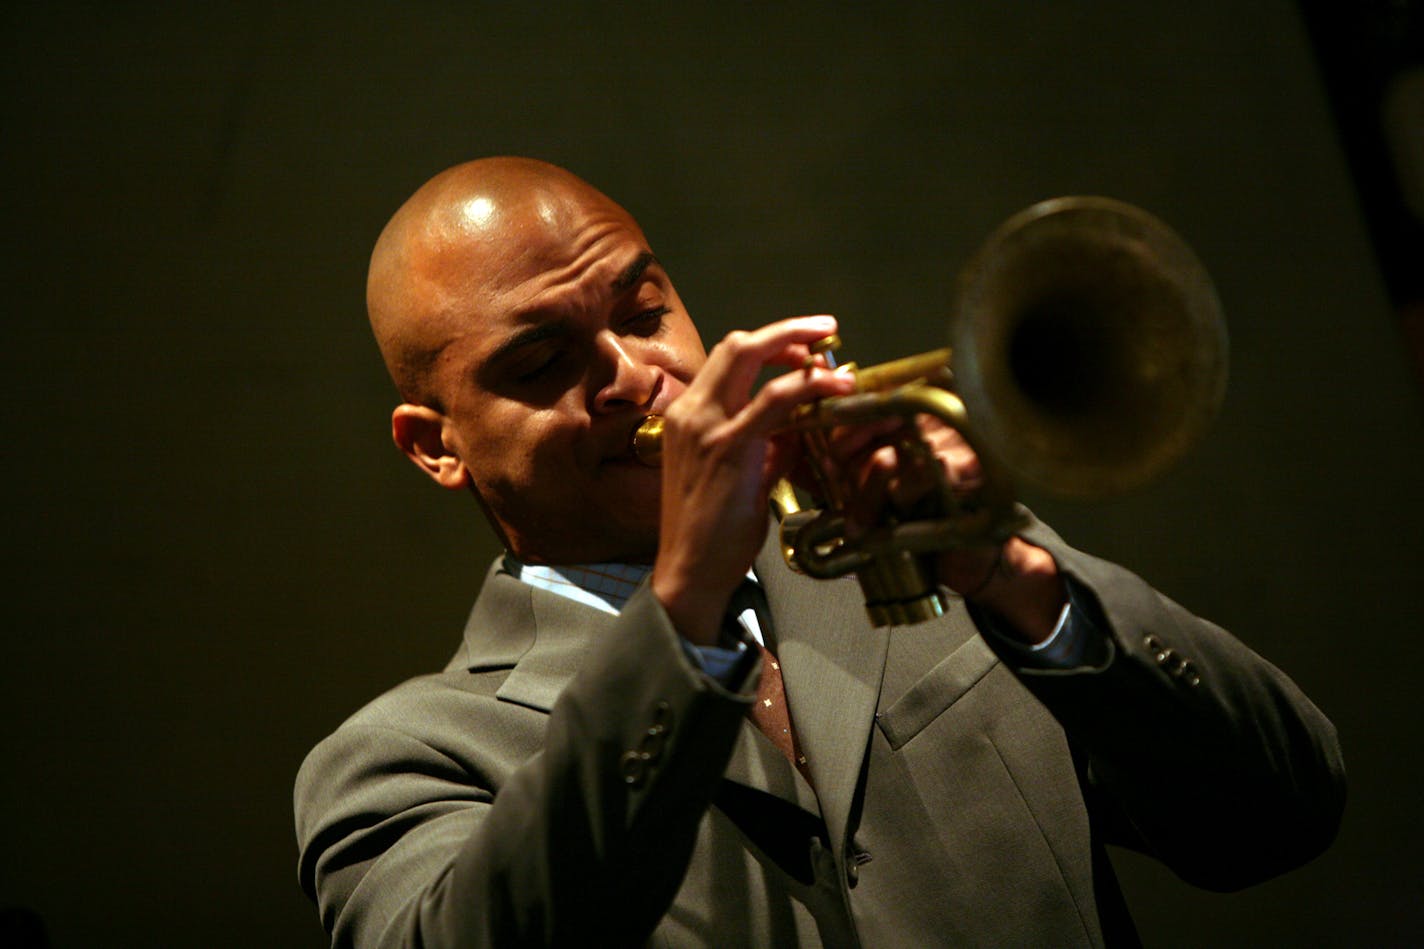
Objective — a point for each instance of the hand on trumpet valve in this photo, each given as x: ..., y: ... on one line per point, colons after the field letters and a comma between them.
x: 899, y: 469
x: 903, y: 469
x: 723, y: 449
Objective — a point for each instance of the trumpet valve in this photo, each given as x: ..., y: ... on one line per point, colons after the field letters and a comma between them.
x: 824, y: 347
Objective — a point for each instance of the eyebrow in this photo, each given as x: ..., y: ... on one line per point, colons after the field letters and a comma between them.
x: 628, y: 276
x: 631, y: 273
x: 534, y: 334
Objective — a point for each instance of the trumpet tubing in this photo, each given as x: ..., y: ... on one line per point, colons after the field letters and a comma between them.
x: 1087, y: 353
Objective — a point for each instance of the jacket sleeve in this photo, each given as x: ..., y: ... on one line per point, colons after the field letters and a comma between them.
x: 585, y: 843
x: 1192, y: 748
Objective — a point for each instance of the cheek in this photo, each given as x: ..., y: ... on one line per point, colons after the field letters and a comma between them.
x: 490, y: 446
x: 685, y: 356
x: 692, y: 344
x: 683, y: 341
x: 512, y: 449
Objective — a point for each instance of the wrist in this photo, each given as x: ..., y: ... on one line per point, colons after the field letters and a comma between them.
x: 694, y: 611
x: 1020, y: 584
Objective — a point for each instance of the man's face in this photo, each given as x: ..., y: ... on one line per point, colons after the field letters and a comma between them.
x: 563, y: 333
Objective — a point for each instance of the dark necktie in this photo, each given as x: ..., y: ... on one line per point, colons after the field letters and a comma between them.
x: 770, y: 712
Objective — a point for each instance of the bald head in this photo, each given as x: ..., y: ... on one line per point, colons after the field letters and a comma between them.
x: 530, y: 329
x: 465, y: 226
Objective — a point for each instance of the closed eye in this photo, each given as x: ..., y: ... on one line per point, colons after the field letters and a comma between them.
x: 647, y: 323
x: 540, y: 367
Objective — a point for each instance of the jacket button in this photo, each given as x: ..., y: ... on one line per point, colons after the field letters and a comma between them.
x: 652, y: 743
x: 634, y: 765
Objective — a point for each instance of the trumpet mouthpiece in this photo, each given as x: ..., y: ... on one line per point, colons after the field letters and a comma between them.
x: 647, y: 441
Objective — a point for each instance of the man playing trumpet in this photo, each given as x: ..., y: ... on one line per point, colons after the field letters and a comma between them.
x: 586, y: 771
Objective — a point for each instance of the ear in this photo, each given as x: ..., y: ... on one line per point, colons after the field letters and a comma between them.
x: 419, y: 432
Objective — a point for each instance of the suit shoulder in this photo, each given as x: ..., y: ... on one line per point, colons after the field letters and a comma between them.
x: 449, y: 711
x: 450, y: 724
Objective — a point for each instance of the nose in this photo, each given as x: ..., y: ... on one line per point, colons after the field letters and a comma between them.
x: 627, y: 380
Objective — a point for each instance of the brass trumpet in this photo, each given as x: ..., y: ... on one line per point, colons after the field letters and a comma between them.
x: 1087, y: 352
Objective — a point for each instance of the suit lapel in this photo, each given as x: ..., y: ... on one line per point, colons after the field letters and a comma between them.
x: 832, y: 661
x: 565, y: 631
x: 542, y: 635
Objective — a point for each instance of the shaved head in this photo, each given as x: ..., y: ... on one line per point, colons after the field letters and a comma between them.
x: 530, y: 329
x: 465, y: 226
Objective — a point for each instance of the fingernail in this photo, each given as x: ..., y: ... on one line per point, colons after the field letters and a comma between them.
x: 822, y: 323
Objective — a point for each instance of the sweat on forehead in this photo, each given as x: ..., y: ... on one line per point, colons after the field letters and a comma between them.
x: 464, y: 224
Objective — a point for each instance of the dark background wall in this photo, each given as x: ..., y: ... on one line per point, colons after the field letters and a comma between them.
x: 214, y: 554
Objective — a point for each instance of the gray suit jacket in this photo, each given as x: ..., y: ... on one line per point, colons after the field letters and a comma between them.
x: 571, y: 778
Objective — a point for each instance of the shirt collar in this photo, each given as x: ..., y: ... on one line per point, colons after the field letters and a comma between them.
x: 603, y: 586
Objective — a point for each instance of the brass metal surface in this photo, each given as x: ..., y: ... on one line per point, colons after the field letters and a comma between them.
x: 1087, y: 352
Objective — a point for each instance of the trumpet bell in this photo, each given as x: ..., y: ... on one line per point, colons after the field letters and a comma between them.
x: 1087, y: 353
x: 1088, y: 346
